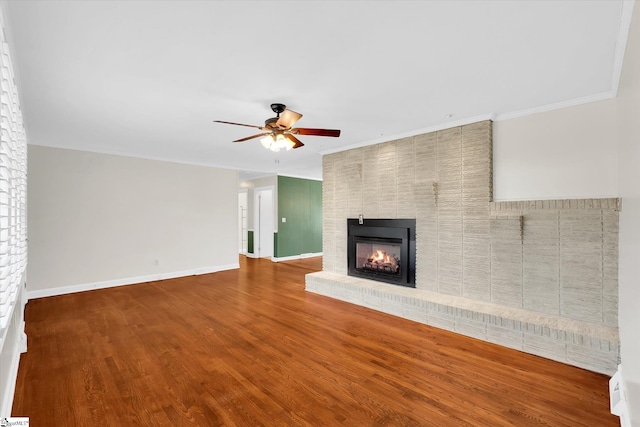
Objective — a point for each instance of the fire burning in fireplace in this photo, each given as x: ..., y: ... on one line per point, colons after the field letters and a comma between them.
x: 382, y: 250
x: 382, y: 261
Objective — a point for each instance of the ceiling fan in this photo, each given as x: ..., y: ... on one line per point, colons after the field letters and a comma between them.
x: 279, y: 133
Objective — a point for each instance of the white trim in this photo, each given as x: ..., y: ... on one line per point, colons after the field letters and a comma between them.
x: 621, y: 44
x: 120, y: 153
x: 555, y: 106
x: 288, y: 175
x: 434, y: 128
x: 126, y: 281
x: 294, y: 257
x: 250, y: 255
x: 241, y: 250
x: 10, y: 387
x: 10, y: 352
x: 4, y: 332
x: 617, y: 398
x: 256, y: 216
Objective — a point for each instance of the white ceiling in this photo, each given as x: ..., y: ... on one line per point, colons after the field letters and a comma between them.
x: 147, y: 79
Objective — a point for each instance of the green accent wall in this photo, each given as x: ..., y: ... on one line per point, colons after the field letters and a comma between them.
x: 300, y: 202
x: 275, y: 244
x: 250, y: 241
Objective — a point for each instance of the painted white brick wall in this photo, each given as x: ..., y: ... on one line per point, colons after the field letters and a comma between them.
x: 553, y: 257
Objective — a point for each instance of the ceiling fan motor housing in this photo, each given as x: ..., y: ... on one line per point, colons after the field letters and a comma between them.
x: 278, y: 108
x: 271, y: 123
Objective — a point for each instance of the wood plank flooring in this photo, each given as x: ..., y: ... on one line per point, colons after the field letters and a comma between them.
x: 250, y: 347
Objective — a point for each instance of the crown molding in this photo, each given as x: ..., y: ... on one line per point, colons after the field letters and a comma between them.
x: 434, y: 128
x: 555, y: 106
x: 621, y: 43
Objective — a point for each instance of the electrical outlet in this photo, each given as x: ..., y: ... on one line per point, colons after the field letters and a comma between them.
x: 284, y: 219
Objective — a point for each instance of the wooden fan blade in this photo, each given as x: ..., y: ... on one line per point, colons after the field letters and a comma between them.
x: 251, y: 137
x: 287, y: 119
x: 317, y: 132
x: 238, y: 124
x: 296, y: 141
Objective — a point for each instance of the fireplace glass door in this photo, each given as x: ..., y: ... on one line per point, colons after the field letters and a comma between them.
x: 379, y: 256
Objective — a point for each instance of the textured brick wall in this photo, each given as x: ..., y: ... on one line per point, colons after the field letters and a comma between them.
x: 553, y: 257
x: 563, y: 257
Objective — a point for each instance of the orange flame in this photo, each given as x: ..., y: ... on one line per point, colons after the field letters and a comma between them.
x: 382, y: 257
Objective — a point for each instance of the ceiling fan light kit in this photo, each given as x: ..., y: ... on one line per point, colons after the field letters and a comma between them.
x: 278, y: 132
x: 277, y: 143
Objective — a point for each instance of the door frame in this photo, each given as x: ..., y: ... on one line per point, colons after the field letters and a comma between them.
x: 243, y: 232
x: 256, y: 219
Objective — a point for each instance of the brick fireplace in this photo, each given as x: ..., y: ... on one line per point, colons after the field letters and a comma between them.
x: 538, y: 276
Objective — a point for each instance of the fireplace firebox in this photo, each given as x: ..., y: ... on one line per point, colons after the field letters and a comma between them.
x: 383, y: 250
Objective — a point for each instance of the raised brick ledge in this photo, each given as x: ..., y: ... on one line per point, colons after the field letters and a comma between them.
x: 546, y: 320
x: 610, y: 204
x: 583, y: 344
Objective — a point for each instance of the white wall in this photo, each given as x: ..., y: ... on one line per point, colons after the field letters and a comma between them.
x: 561, y: 154
x: 628, y: 109
x: 100, y: 220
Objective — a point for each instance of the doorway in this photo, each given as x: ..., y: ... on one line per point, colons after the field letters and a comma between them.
x: 264, y: 222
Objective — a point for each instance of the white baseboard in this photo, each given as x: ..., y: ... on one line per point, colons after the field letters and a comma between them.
x: 618, y: 399
x: 41, y: 293
x: 249, y: 255
x: 294, y: 257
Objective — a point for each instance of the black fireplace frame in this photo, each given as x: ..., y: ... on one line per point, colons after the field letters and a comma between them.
x: 373, y: 229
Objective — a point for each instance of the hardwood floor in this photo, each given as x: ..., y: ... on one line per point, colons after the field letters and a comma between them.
x: 250, y: 347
